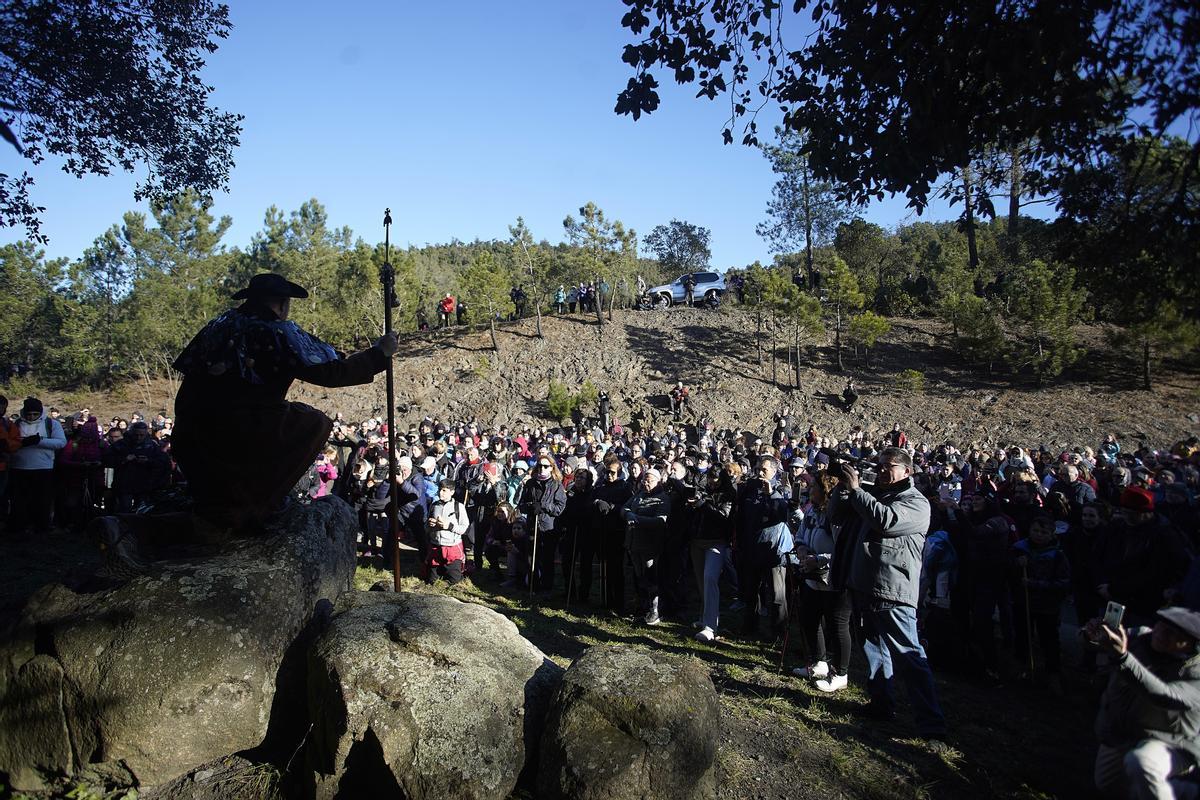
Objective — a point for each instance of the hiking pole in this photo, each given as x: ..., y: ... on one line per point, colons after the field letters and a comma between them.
x: 571, y: 577
x: 533, y: 559
x: 387, y: 278
x: 603, y: 573
x: 787, y: 599
x: 1028, y: 619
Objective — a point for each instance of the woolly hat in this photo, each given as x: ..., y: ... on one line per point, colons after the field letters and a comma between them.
x: 428, y: 464
x: 655, y: 473
x: 31, y: 404
x: 1135, y: 498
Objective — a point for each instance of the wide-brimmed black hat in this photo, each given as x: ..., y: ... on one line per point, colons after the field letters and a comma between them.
x: 268, y: 284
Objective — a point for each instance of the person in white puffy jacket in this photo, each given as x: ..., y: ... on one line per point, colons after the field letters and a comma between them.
x: 31, y: 469
x: 448, y: 522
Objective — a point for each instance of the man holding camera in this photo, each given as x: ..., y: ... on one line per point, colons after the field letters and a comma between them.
x: 884, y: 533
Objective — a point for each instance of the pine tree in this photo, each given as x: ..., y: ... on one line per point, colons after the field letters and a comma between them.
x: 485, y: 285
x: 842, y: 298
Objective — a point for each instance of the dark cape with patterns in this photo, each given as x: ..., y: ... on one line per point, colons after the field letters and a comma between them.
x: 239, y: 443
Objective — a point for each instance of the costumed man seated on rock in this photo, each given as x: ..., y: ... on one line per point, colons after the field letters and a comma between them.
x: 242, y: 364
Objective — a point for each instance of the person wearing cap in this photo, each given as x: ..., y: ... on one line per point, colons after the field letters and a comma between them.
x: 428, y: 467
x: 243, y: 362
x: 1149, y: 718
x: 885, y: 529
x: 1141, y: 556
x: 31, y: 469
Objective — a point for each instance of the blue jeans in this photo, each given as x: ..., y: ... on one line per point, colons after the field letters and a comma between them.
x: 890, y: 645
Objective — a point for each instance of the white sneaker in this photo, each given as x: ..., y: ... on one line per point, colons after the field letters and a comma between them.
x: 833, y: 683
x: 705, y: 635
x: 818, y: 670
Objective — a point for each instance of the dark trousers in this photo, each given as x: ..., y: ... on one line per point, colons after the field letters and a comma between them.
x: 988, y: 593
x: 32, y: 497
x: 612, y: 554
x: 673, y: 574
x: 1045, y: 626
x: 645, y: 551
x: 825, y: 617
x: 452, y: 571
x: 477, y: 533
x: 543, y: 561
x: 772, y: 581
x: 577, y: 550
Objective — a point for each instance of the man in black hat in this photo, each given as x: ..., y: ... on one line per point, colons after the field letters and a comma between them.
x: 242, y: 364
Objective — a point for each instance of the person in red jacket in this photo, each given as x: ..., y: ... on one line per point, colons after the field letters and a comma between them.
x: 446, y: 308
x: 10, y: 442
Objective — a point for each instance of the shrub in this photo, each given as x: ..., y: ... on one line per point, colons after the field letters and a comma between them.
x: 911, y: 380
x: 559, y: 401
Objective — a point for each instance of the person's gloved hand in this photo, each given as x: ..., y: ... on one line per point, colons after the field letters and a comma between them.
x: 30, y: 441
x: 388, y: 344
x: 603, y: 506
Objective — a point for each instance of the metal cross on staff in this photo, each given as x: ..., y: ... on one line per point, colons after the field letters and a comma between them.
x: 387, y: 278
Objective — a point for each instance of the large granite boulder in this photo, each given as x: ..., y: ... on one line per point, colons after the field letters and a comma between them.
x: 631, y: 724
x: 174, y: 667
x: 425, y: 697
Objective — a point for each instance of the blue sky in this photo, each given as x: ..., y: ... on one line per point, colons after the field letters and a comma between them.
x: 460, y: 117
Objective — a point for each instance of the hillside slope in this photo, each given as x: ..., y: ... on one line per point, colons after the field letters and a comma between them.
x: 455, y: 374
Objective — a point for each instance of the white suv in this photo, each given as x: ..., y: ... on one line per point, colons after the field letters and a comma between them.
x: 708, y: 284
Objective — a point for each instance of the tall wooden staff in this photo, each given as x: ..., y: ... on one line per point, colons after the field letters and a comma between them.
x: 387, y: 278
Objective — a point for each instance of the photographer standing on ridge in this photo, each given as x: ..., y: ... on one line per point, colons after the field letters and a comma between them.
x: 884, y: 531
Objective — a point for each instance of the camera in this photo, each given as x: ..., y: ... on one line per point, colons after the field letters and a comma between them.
x: 867, y: 470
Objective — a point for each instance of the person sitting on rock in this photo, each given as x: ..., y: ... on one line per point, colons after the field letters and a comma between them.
x: 448, y: 522
x: 849, y: 396
x: 243, y: 363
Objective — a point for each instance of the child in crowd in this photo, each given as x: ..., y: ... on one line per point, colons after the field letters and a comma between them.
x: 448, y: 521
x: 327, y: 472
x: 1043, y: 578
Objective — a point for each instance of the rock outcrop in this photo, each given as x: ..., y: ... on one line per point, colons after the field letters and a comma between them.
x: 630, y: 724
x: 423, y: 696
x: 173, y: 668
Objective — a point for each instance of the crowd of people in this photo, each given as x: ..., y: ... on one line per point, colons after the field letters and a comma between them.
x: 966, y: 559
x: 963, y: 559
x: 59, y: 471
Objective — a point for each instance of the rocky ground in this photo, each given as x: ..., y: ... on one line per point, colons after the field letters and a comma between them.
x: 639, y: 355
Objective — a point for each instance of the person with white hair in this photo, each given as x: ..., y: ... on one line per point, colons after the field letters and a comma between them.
x: 645, y: 516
